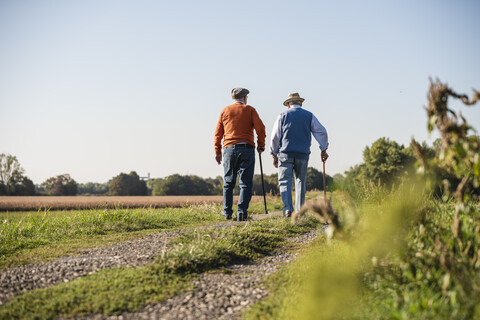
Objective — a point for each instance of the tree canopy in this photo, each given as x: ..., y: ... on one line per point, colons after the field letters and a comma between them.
x: 128, y: 185
x: 61, y: 185
x: 93, y: 188
x: 182, y: 185
x: 12, y: 179
x: 385, y: 163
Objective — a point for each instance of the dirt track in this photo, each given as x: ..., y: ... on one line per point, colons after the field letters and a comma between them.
x: 217, y: 295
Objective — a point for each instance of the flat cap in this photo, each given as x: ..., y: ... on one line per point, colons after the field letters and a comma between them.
x: 238, y: 93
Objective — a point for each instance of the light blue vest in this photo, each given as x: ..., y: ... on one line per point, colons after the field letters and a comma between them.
x: 296, y: 133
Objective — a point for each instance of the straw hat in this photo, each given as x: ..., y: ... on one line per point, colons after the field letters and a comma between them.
x: 292, y: 97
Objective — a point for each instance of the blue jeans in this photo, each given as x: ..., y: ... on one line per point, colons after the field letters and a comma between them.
x: 238, y: 159
x: 287, y: 166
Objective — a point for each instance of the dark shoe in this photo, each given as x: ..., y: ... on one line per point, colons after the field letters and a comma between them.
x: 242, y: 217
x: 287, y: 214
x: 228, y: 217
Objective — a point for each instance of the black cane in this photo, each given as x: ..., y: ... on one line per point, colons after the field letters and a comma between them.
x: 263, y: 184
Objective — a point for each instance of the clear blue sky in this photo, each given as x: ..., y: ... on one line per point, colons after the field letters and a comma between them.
x: 95, y: 88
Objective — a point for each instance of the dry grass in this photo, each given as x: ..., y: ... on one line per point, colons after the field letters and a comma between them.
x: 87, y: 202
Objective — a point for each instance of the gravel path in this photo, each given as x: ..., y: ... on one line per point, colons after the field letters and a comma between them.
x: 139, y: 252
x: 216, y: 295
x: 134, y: 253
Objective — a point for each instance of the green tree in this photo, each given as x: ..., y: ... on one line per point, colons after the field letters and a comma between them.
x: 217, y: 184
x: 177, y: 184
x: 61, y: 185
x: 11, y: 173
x: 386, y: 164
x: 315, y: 179
x: 155, y: 185
x: 12, y: 180
x: 338, y: 181
x: 128, y: 185
x: 26, y: 187
x: 385, y: 161
x: 271, y: 184
x: 93, y: 188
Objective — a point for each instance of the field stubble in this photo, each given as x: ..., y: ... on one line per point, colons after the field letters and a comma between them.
x: 87, y: 202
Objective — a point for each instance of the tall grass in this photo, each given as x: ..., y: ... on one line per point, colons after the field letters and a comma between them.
x: 401, y: 261
x: 436, y: 276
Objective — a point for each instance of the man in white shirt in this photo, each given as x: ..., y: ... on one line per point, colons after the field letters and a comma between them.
x: 290, y: 148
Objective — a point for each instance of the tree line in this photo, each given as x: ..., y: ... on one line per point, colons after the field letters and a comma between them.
x: 14, y: 183
x: 385, y: 163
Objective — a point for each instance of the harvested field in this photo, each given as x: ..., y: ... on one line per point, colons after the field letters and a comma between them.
x: 86, y: 202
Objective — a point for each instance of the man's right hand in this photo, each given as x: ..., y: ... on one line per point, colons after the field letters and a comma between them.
x: 218, y: 158
x: 275, y: 161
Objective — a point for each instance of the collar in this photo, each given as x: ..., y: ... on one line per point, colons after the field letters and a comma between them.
x: 240, y: 101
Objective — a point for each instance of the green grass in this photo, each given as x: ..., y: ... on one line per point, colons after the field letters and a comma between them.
x: 291, y: 285
x: 274, y: 203
x: 436, y: 276
x: 128, y: 289
x: 107, y: 291
x: 38, y: 236
x: 43, y: 235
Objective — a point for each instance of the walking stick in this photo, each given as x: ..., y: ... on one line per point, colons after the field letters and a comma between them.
x: 263, y: 184
x: 324, y: 185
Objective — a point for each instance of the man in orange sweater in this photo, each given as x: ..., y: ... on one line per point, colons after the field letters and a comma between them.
x: 235, y: 126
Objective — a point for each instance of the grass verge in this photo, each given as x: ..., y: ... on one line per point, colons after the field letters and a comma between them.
x: 43, y: 236
x: 128, y: 289
x: 288, y: 284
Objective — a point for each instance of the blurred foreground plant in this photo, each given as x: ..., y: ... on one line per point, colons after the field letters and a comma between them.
x: 460, y: 151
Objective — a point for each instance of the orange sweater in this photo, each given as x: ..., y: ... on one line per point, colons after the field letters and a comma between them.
x: 236, y: 124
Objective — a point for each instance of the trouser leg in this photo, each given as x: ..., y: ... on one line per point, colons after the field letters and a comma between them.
x: 300, y: 166
x: 245, y: 180
x: 229, y: 180
x: 285, y: 176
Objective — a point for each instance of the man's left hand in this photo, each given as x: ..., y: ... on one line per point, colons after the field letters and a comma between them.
x: 260, y: 149
x: 324, y: 155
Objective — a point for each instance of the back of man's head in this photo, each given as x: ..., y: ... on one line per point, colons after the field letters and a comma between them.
x: 239, y: 93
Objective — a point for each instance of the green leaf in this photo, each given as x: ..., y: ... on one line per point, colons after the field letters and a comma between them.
x: 459, y: 150
x: 476, y: 168
x: 431, y: 122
